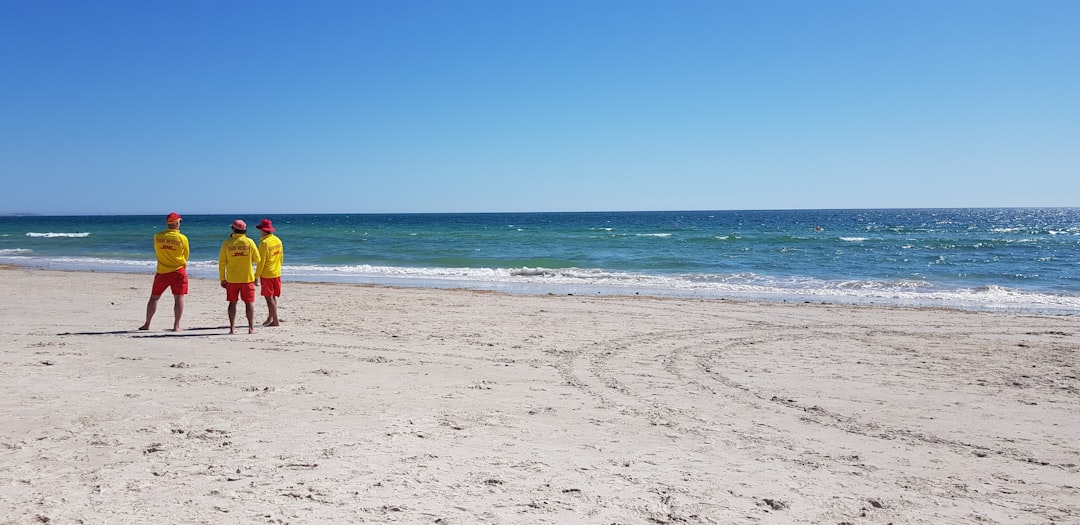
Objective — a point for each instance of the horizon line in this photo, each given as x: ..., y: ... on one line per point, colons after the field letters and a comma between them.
x: 136, y: 214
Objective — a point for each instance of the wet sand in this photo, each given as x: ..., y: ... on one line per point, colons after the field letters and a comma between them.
x: 374, y: 404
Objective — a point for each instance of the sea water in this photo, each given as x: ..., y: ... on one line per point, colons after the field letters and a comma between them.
x: 1013, y: 259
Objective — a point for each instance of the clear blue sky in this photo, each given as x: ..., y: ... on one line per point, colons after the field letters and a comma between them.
x: 547, y: 105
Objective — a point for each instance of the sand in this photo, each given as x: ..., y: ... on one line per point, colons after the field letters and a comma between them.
x: 374, y: 404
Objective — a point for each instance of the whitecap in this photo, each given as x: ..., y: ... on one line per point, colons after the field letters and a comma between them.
x: 53, y: 234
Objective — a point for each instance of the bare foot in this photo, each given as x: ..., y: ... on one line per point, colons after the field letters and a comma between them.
x: 232, y: 329
x: 271, y: 323
x: 144, y: 327
x: 251, y: 330
x: 176, y: 329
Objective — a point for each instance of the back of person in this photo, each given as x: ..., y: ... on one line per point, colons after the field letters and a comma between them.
x: 268, y: 273
x: 238, y: 253
x: 172, y: 251
x: 271, y: 252
x: 171, y: 248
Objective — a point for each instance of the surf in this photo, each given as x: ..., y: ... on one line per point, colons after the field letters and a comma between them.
x: 48, y: 235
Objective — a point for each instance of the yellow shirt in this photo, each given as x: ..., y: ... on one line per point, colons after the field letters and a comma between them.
x: 237, y: 255
x: 270, y: 255
x: 172, y: 250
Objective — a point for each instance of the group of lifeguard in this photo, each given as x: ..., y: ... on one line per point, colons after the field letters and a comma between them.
x: 242, y: 265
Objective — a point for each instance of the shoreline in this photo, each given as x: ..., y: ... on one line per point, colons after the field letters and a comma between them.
x: 1006, y: 301
x: 382, y: 403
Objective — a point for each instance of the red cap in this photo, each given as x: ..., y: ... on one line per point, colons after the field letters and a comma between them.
x: 239, y: 225
x: 173, y: 217
x: 266, y: 226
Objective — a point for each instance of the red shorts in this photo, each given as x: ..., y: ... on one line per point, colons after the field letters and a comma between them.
x: 271, y: 286
x: 242, y: 291
x: 177, y: 280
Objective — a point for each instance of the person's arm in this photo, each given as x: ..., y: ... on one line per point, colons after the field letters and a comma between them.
x: 222, y: 261
x: 262, y: 258
x: 157, y: 252
x: 255, y: 256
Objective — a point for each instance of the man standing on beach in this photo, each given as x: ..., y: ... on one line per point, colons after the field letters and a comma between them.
x: 238, y: 253
x: 171, y: 248
x: 268, y: 272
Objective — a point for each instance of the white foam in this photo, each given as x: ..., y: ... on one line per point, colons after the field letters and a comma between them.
x: 529, y: 280
x: 16, y: 251
x: 53, y: 234
x: 96, y: 263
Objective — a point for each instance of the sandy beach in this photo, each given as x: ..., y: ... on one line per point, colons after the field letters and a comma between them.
x: 374, y: 404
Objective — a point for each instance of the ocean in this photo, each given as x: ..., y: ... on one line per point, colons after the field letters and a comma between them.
x: 1023, y: 260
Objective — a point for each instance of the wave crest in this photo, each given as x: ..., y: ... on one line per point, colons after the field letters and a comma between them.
x: 55, y: 234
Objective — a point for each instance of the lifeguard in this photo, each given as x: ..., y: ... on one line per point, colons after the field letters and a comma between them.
x: 172, y: 251
x: 268, y: 272
x: 238, y: 254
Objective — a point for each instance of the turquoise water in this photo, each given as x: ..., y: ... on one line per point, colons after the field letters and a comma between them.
x: 1012, y: 259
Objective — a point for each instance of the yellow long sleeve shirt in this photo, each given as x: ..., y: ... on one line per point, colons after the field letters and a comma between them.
x: 172, y: 250
x: 237, y: 255
x: 271, y: 253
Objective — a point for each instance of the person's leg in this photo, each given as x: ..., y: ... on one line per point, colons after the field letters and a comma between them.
x: 271, y: 307
x: 249, y: 307
x: 151, y: 307
x: 178, y: 311
x: 232, y: 317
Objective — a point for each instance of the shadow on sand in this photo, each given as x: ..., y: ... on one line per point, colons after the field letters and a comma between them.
x: 146, y: 333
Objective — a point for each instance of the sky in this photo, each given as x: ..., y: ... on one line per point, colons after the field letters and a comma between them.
x: 401, y: 106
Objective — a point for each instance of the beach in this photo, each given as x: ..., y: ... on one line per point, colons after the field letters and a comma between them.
x: 414, y: 405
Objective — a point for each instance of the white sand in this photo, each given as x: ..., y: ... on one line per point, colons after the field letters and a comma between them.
x: 456, y: 407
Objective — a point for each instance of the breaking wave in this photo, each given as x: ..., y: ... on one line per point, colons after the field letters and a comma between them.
x: 54, y: 234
